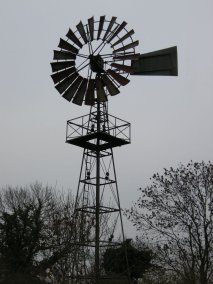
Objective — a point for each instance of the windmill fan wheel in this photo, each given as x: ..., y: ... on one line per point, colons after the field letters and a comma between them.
x: 84, y: 51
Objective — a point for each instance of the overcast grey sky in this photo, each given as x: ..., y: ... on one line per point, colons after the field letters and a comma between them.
x: 171, y: 117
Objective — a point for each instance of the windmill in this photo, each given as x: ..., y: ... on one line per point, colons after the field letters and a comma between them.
x: 90, y: 66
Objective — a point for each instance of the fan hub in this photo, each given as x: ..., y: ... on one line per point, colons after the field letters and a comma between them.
x: 96, y: 63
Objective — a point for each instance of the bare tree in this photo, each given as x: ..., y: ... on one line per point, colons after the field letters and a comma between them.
x: 176, y: 213
x: 36, y: 229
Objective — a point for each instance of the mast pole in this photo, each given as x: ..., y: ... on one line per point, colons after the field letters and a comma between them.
x: 97, y: 209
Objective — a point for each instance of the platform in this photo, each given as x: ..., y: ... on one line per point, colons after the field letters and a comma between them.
x: 89, y: 141
x: 80, y: 133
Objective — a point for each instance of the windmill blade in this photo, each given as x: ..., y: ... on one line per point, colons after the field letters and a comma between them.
x: 62, y: 86
x: 161, y: 62
x: 80, y: 28
x: 63, y: 55
x: 79, y: 96
x: 120, y: 79
x: 128, y: 46
x: 117, y: 31
x: 91, y: 28
x: 109, y: 27
x: 132, y: 56
x: 57, y: 77
x: 125, y: 68
x: 129, y: 34
x: 71, y: 35
x: 57, y: 66
x: 101, y: 25
x: 112, y: 89
x: 90, y: 93
x: 101, y: 95
x: 65, y: 45
x: 70, y: 92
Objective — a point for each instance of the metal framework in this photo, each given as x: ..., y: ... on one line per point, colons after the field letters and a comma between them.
x: 90, y: 66
x: 97, y: 205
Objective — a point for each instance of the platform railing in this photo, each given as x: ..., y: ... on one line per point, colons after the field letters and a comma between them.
x: 114, y: 126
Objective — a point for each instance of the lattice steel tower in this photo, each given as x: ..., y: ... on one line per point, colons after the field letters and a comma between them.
x: 97, y: 198
x: 90, y: 66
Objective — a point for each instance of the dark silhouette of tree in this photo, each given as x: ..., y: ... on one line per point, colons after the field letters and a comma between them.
x: 36, y: 229
x: 21, y: 279
x: 139, y: 260
x: 37, y: 232
x: 176, y: 213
